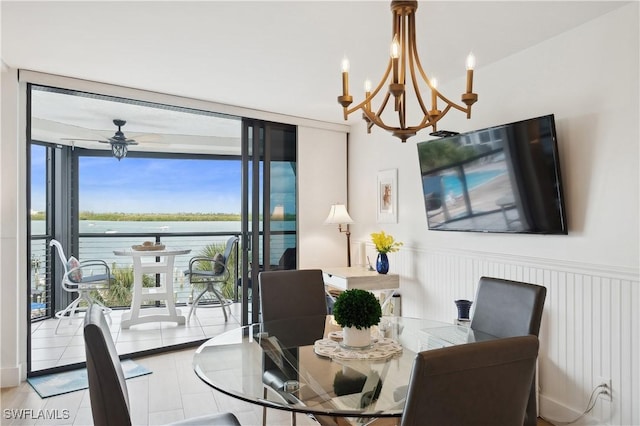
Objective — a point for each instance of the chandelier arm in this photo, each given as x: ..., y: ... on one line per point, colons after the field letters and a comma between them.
x: 368, y: 100
x: 428, y: 121
x: 413, y: 56
x: 375, y: 118
x: 438, y: 94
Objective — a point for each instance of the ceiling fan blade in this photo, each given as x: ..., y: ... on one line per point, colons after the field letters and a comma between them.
x: 81, y: 139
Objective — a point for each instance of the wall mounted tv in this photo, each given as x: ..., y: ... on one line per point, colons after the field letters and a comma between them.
x: 500, y: 179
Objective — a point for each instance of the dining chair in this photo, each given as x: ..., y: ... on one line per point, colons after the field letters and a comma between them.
x: 211, y: 272
x: 288, y: 294
x: 108, y: 392
x: 482, y: 383
x: 505, y: 308
x: 79, y: 277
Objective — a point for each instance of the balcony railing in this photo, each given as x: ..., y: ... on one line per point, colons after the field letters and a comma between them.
x: 102, y: 245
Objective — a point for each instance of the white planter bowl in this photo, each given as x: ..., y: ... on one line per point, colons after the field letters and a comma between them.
x: 355, y: 337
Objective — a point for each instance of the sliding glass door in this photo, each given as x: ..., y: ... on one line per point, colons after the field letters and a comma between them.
x: 269, y: 206
x: 192, y: 179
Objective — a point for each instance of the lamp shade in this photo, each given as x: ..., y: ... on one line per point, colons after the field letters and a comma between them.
x: 338, y: 215
x: 278, y: 212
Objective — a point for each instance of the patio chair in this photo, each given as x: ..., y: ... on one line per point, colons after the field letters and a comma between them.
x: 505, y: 308
x: 79, y: 278
x: 107, y: 387
x: 211, y: 272
x: 482, y: 383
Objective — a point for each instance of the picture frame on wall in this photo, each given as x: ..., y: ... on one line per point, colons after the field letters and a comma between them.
x: 387, y: 196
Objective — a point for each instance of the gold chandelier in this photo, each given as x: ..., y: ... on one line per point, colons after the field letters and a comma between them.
x: 404, y: 62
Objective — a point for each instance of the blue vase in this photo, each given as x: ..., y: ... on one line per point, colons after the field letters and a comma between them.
x: 382, y: 263
x: 463, y: 308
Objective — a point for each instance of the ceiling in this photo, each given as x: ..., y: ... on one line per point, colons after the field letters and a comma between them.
x: 281, y: 57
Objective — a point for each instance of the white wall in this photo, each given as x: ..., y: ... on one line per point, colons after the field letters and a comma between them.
x: 588, y: 78
x: 11, y: 350
x: 322, y: 181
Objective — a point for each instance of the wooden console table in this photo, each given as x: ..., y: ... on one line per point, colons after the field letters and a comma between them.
x: 347, y: 278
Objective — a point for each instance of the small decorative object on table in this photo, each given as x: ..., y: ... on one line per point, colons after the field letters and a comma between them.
x: 149, y: 246
x: 384, y: 243
x: 356, y: 311
x: 463, y: 309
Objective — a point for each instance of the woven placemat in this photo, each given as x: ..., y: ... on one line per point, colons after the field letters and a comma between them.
x: 379, y: 350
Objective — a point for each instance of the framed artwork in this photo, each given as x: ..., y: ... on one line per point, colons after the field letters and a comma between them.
x: 387, y: 196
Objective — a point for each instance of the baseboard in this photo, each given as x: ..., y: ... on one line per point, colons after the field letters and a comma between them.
x: 555, y: 412
x: 10, y: 377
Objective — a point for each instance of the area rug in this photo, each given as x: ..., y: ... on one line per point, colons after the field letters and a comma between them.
x: 71, y: 381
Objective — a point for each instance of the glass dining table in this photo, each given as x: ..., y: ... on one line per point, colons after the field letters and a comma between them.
x: 285, y: 364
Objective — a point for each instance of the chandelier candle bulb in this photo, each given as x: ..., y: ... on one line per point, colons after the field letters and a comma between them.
x: 367, y: 93
x: 471, y: 63
x: 434, y: 93
x: 395, y: 54
x: 345, y: 77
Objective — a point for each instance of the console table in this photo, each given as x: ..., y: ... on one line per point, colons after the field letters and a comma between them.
x: 346, y: 278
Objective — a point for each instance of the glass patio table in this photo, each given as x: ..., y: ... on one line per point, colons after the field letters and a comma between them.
x: 277, y: 364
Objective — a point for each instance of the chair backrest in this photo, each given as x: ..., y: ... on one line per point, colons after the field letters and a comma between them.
x: 107, y: 385
x: 61, y: 255
x: 506, y: 308
x: 288, y: 259
x: 291, y: 293
x: 229, y: 248
x: 473, y: 384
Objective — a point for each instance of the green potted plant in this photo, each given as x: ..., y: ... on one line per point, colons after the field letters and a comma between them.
x: 356, y: 311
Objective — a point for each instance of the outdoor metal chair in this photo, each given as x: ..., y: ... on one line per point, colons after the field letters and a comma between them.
x: 211, y: 272
x: 80, y: 277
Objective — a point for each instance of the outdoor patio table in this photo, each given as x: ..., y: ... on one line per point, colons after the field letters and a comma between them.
x: 162, y: 264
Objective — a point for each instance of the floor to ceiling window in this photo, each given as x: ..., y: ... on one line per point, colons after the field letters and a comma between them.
x: 180, y: 182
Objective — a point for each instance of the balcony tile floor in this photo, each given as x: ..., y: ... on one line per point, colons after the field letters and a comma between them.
x: 50, y: 349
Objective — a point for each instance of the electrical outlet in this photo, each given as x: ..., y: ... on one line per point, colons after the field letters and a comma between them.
x: 606, y: 393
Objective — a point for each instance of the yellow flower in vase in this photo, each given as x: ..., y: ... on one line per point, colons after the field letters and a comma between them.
x: 384, y: 243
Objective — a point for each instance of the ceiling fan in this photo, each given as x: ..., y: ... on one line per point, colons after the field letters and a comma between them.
x: 118, y: 141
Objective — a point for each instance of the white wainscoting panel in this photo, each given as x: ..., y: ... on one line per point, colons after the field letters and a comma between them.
x: 590, y: 326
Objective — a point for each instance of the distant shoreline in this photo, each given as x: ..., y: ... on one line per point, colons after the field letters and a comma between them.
x: 152, y: 217
x: 158, y: 217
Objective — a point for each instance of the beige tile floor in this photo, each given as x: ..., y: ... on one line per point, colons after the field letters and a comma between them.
x: 50, y: 349
x: 172, y: 392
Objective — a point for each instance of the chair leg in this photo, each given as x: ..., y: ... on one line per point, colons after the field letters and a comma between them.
x: 531, y: 416
x: 194, y: 304
x: 71, y: 309
x: 223, y: 305
x: 264, y: 409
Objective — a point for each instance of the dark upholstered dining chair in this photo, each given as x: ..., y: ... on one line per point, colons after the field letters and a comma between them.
x: 289, y: 294
x: 482, y: 383
x: 107, y: 386
x: 505, y: 308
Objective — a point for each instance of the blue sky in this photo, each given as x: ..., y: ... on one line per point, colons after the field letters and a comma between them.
x: 141, y: 185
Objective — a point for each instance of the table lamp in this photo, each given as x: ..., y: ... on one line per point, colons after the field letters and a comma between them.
x: 339, y: 215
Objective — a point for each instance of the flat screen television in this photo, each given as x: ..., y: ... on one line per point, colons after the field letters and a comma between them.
x: 500, y: 179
